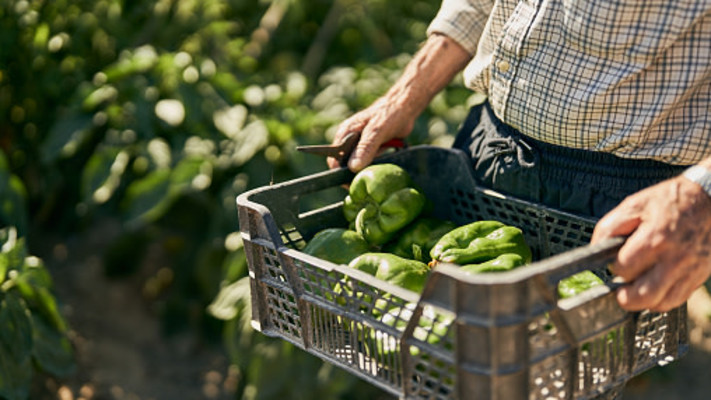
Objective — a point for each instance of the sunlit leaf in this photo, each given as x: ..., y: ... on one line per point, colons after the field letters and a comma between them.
x: 191, y: 173
x: 34, y: 283
x: 230, y: 300
x: 12, y: 248
x: 171, y: 111
x: 230, y: 120
x: 227, y: 83
x: 137, y: 61
x: 102, y: 173
x: 253, y: 138
x: 280, y: 132
x: 98, y: 97
x: 34, y: 273
x: 4, y: 267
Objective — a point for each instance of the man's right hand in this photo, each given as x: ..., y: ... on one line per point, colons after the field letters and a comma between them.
x: 384, y: 120
x: 393, y: 115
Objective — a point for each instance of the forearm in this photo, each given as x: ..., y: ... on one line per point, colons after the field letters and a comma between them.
x: 432, y: 68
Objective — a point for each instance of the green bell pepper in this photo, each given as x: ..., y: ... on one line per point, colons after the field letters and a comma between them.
x: 381, y: 200
x: 479, y: 242
x: 504, y: 262
x: 337, y: 245
x: 578, y: 283
x: 417, y: 239
x: 408, y: 274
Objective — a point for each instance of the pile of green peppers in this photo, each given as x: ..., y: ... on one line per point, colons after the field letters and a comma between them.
x: 391, y: 236
x: 417, y: 239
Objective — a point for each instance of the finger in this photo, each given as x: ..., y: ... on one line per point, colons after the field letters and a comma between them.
x: 676, y: 296
x: 694, y: 276
x: 366, y: 149
x: 639, y: 295
x: 355, y: 123
x: 651, y: 289
x: 333, y: 163
x: 621, y: 221
x: 640, y: 251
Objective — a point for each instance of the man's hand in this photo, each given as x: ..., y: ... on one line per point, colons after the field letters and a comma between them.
x: 668, y: 252
x: 394, y: 114
x: 388, y: 118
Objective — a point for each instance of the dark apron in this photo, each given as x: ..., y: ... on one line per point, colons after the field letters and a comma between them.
x: 578, y: 181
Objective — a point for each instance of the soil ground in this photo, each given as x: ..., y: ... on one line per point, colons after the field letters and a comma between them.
x: 122, y: 352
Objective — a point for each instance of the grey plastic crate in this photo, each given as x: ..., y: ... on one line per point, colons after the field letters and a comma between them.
x: 501, y: 336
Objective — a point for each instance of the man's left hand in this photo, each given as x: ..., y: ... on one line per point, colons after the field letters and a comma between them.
x: 667, y: 254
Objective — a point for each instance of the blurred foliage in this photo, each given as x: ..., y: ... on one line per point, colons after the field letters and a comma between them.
x: 160, y: 113
x: 33, y: 333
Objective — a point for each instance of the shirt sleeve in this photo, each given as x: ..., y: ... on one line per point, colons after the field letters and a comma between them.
x: 462, y: 20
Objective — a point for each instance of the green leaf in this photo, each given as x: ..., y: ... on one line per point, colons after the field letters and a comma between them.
x: 4, y: 267
x: 34, y: 283
x: 101, y: 96
x: 185, y: 172
x: 102, y: 173
x: 66, y: 137
x: 139, y: 60
x: 34, y: 273
x: 43, y: 300
x: 52, y: 351
x: 13, y: 249
x: 15, y: 329
x: 230, y: 300
x: 41, y: 36
x: 147, y: 199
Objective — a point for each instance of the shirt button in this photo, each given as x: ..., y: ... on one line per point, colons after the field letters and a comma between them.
x: 503, y: 66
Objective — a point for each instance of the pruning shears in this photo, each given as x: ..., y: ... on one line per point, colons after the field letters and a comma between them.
x: 342, y: 151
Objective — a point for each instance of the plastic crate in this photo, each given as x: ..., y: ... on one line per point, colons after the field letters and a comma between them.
x: 501, y: 336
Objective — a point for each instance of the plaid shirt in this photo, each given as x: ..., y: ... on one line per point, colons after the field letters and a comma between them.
x: 628, y: 77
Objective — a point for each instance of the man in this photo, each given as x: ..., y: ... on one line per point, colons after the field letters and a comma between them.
x: 596, y: 107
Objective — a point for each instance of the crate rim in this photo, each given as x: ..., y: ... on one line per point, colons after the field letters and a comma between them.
x: 539, y: 267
